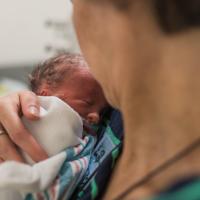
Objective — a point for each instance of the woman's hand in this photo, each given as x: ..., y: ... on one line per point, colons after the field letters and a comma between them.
x: 11, y: 108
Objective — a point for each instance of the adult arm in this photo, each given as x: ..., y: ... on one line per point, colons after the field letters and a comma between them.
x: 11, y: 108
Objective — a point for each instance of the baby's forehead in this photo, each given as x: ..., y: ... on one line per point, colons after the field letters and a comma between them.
x: 80, y: 75
x: 80, y: 80
x: 70, y: 76
x: 82, y: 87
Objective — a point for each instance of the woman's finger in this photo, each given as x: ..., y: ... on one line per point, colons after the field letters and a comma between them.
x: 9, y: 118
x: 29, y: 104
x: 1, y: 160
x: 21, y: 137
x: 8, y: 150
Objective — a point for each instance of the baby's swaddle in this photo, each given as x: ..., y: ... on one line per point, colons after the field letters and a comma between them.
x: 59, y: 127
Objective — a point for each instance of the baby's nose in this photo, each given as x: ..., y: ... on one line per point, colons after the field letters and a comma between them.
x: 93, y: 118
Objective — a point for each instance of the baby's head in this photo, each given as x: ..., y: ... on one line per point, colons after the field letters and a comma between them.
x: 68, y: 77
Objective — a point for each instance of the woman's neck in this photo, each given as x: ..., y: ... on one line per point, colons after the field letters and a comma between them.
x: 161, y: 110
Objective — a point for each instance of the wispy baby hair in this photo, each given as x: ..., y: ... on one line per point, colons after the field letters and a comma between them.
x: 52, y: 71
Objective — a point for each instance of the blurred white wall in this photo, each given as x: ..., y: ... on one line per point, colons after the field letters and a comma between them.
x: 32, y: 29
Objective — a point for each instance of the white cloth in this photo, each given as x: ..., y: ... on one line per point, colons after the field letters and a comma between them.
x: 59, y: 127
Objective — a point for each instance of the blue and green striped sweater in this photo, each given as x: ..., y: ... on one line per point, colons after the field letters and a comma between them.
x: 103, y: 159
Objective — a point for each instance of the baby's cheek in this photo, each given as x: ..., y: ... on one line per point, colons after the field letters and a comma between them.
x: 81, y: 111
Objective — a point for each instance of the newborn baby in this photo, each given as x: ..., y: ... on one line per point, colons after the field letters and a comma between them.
x: 68, y: 77
x: 80, y: 97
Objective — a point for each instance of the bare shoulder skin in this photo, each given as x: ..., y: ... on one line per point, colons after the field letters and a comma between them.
x: 153, y: 78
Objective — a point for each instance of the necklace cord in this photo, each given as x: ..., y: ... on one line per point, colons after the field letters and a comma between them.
x: 161, y: 168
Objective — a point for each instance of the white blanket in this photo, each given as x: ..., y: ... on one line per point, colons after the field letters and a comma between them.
x: 58, y: 128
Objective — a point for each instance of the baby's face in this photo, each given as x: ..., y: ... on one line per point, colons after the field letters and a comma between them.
x: 83, y: 93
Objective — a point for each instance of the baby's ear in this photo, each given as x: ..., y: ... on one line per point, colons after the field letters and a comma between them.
x: 44, y: 93
x: 93, y: 118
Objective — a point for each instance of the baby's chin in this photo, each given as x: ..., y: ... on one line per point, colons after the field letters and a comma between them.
x: 86, y: 123
x: 90, y: 128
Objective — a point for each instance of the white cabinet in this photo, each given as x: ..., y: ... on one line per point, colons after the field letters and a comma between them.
x: 32, y: 30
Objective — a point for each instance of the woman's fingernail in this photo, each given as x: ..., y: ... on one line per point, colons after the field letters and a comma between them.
x: 34, y: 111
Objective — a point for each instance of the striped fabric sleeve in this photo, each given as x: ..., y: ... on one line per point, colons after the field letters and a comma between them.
x: 103, y: 159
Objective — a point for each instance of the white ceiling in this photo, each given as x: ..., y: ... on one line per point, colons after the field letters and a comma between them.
x: 24, y: 35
